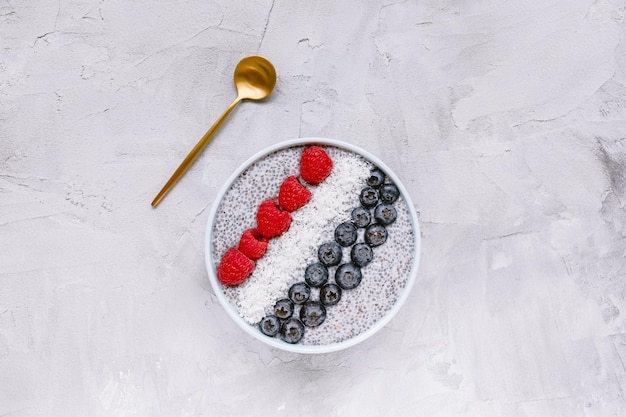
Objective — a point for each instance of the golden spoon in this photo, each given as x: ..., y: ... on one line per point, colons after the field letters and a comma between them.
x: 255, y: 78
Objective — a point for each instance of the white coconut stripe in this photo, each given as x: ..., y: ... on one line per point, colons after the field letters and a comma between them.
x: 313, y: 224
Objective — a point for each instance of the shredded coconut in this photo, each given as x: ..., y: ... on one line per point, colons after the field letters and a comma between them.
x: 288, y: 255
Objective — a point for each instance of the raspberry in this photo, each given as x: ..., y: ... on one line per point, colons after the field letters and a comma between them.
x: 252, y: 244
x: 315, y: 165
x: 292, y: 195
x: 271, y: 221
x: 234, y: 267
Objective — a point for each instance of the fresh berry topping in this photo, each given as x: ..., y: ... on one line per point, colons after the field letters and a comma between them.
x: 375, y: 234
x: 283, y: 309
x: 361, y: 216
x: 345, y: 234
x: 389, y: 193
x: 368, y: 197
x: 316, y: 274
x: 270, y: 325
x: 329, y: 253
x: 385, y: 214
x: 299, y: 292
x: 361, y: 254
x: 292, y: 330
x: 234, y: 267
x: 252, y: 244
x: 271, y: 221
x: 376, y: 178
x: 312, y: 314
x: 330, y: 294
x: 348, y: 276
x: 292, y: 194
x: 315, y: 165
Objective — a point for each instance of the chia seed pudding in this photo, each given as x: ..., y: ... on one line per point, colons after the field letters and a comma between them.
x: 384, y: 278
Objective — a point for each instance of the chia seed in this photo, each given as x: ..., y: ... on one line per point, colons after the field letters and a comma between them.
x: 384, y: 279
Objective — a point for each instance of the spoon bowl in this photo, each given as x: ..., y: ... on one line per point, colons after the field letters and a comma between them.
x: 255, y: 79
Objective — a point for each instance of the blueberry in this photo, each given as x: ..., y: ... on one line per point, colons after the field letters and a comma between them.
x: 283, y: 309
x: 368, y: 197
x: 292, y: 330
x: 348, y: 276
x: 270, y: 325
x: 376, y: 178
x: 329, y: 253
x: 345, y: 234
x: 385, y: 214
x: 361, y: 216
x: 299, y: 292
x: 389, y: 193
x: 330, y: 294
x: 312, y: 313
x: 316, y: 274
x: 375, y: 234
x: 361, y: 254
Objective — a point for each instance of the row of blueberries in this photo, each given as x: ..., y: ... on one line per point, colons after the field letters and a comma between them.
x: 378, y: 196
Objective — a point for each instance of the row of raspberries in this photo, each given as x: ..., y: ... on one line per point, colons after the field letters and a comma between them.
x: 273, y: 217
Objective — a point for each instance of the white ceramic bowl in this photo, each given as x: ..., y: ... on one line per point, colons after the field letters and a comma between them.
x: 231, y: 309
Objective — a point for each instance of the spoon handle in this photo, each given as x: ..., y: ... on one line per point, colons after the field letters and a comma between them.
x: 193, y: 155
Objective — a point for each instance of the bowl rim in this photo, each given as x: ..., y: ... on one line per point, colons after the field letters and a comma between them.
x: 217, y: 287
